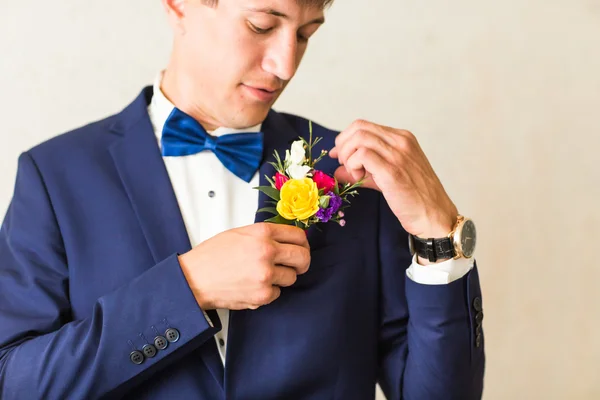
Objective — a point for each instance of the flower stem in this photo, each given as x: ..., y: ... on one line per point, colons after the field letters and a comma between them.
x: 310, y: 144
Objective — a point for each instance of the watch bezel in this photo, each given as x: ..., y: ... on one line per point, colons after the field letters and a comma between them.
x: 456, y: 236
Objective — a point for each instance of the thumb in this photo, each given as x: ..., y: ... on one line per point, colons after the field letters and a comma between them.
x: 343, y: 176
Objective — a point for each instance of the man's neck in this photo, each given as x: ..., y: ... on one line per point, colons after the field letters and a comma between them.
x: 172, y: 87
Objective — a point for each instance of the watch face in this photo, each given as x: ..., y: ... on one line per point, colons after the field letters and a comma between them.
x: 468, y: 238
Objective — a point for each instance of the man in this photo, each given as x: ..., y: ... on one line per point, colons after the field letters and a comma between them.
x: 133, y: 263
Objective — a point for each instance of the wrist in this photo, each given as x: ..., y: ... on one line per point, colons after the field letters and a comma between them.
x: 436, y: 244
x: 199, y: 294
x: 441, y: 225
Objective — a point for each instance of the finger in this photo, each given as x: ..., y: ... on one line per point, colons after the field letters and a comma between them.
x: 365, y: 159
x: 343, y: 176
x: 284, y: 276
x: 349, y: 131
x: 362, y: 125
x: 284, y: 234
x: 266, y: 296
x: 275, y: 293
x: 366, y: 139
x: 333, y: 153
x: 293, y: 256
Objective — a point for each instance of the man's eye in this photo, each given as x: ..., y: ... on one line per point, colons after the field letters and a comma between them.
x: 258, y: 29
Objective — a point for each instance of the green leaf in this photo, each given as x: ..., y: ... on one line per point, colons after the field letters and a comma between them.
x: 269, y: 191
x: 336, y: 187
x: 280, y: 165
x: 278, y: 219
x: 270, y: 181
x: 276, y: 167
x: 271, y: 210
x: 324, y: 201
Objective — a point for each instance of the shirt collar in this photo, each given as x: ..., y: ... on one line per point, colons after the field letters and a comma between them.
x: 160, y: 108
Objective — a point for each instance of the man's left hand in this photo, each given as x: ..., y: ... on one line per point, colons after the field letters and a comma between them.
x: 392, y: 162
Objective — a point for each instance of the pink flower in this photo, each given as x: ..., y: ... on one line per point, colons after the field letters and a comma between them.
x: 324, y: 181
x: 280, y: 179
x: 342, y: 222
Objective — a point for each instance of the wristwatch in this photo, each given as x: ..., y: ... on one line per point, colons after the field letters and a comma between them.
x: 459, y: 243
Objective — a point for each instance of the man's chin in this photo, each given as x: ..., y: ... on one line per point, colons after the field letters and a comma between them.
x: 253, y: 118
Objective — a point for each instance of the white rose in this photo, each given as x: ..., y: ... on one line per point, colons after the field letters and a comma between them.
x: 296, y: 171
x: 298, y: 153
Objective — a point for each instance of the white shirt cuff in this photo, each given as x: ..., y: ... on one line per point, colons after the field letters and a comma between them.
x: 440, y: 273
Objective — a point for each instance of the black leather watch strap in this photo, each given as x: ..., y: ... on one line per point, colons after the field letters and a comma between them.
x: 433, y: 249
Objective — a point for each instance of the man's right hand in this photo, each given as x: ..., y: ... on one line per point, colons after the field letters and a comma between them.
x: 244, y: 268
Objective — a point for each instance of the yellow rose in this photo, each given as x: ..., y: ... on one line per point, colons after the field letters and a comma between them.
x: 299, y: 199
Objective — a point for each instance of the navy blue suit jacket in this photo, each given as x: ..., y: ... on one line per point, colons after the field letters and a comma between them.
x: 89, y: 273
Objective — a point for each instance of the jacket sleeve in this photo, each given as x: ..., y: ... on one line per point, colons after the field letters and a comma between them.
x: 431, y: 340
x: 43, y: 352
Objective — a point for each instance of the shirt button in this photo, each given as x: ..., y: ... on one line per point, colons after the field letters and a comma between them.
x: 221, y: 342
x: 211, y: 194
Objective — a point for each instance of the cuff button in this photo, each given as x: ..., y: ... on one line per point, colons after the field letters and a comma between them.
x: 479, y: 318
x: 149, y: 350
x: 172, y: 335
x: 136, y: 357
x: 161, y: 342
x: 477, y: 304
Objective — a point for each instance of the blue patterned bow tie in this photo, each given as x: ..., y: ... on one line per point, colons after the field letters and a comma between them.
x: 240, y: 153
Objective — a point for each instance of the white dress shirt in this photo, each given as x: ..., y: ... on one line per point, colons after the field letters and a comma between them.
x: 213, y: 200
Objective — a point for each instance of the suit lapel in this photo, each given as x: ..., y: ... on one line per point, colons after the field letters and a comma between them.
x: 146, y: 180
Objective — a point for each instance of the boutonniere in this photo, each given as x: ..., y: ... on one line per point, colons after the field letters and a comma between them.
x: 301, y: 194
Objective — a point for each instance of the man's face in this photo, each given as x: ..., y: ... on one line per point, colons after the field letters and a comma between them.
x: 236, y: 58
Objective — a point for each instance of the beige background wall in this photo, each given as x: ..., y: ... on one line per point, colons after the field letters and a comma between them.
x: 504, y: 96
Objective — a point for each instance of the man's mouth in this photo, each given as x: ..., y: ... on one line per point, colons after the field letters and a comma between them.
x: 262, y: 93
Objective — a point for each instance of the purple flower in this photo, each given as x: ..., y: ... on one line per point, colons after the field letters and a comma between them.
x: 324, y: 214
x: 335, y: 202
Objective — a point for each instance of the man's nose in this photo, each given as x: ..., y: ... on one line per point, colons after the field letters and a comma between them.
x: 281, y: 59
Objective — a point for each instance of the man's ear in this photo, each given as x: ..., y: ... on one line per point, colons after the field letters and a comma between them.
x: 175, y: 10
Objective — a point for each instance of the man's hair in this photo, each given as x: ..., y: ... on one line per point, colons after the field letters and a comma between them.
x: 307, y: 3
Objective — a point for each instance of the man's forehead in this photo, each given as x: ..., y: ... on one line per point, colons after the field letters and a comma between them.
x: 288, y: 9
